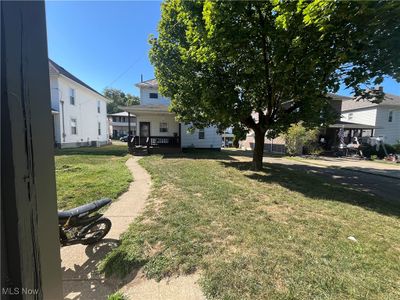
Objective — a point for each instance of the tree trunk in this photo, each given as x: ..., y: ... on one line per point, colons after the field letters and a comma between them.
x: 258, y: 153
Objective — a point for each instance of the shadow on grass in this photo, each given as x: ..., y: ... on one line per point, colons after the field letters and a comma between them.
x: 323, y: 183
x: 207, y: 154
x: 111, y: 150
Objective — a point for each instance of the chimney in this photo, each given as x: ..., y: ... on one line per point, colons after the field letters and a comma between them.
x: 141, y: 77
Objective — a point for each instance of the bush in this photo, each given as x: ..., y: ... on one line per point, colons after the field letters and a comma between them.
x: 371, y: 152
x: 396, y: 148
x: 298, y: 136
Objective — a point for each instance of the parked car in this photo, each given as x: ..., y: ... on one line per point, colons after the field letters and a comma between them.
x: 124, y: 138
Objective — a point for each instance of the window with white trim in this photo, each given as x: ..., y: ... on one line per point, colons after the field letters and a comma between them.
x: 71, y: 96
x: 153, y: 95
x: 201, y: 134
x: 98, y: 106
x: 390, y: 119
x: 350, y: 116
x: 74, y: 129
x: 163, y: 127
x: 98, y: 128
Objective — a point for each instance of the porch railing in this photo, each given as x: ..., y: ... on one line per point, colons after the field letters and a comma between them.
x: 154, y: 141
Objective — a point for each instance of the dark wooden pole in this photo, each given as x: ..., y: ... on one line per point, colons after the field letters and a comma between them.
x: 30, y: 253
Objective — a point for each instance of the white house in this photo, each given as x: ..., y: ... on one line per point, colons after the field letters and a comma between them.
x: 79, y: 111
x: 119, y: 124
x: 156, y: 122
x: 384, y: 116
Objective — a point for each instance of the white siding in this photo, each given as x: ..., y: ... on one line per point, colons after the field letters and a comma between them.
x: 366, y: 116
x: 146, y: 100
x: 84, y: 111
x: 211, y: 138
x: 155, y: 120
x: 389, y: 130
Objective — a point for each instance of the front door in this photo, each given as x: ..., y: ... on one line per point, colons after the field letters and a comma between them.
x: 144, y: 130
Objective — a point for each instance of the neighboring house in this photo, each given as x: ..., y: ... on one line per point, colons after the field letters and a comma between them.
x: 385, y: 116
x: 119, y: 124
x: 79, y: 112
x: 227, y: 137
x: 328, y: 135
x: 156, y: 122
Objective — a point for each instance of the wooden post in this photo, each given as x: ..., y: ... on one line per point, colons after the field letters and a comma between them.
x: 30, y: 255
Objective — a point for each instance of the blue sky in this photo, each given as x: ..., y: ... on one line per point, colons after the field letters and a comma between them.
x: 101, y: 42
x: 105, y: 43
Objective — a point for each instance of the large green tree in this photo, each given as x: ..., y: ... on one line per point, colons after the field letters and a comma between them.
x: 264, y: 65
x: 118, y: 98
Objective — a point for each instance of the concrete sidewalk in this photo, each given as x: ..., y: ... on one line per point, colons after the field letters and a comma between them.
x: 364, y: 166
x: 79, y: 263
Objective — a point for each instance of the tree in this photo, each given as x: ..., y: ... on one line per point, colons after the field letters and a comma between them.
x: 266, y: 65
x: 118, y: 98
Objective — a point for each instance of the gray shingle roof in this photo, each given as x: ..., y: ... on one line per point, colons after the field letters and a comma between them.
x: 67, y: 74
x: 352, y: 104
x: 151, y: 83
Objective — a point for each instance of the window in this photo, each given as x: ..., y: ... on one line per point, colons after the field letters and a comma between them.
x: 350, y: 117
x: 99, y: 128
x: 114, y: 119
x: 73, y: 127
x: 98, y: 106
x: 201, y: 134
x: 153, y: 95
x: 390, y: 119
x: 163, y: 127
x: 72, y: 96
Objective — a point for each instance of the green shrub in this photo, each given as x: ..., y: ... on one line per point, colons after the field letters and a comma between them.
x: 298, y: 136
x: 396, y: 147
x: 370, y: 151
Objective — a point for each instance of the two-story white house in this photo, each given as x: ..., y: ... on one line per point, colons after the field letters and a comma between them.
x: 384, y: 116
x: 119, y: 124
x: 79, y: 112
x: 157, y: 125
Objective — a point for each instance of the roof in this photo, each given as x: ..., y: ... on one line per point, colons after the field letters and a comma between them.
x: 121, y: 114
x: 338, y: 97
x: 151, y: 108
x: 67, y: 74
x: 353, y: 104
x: 349, y: 125
x: 151, y: 83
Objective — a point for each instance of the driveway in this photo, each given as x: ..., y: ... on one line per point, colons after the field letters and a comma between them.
x: 365, y: 177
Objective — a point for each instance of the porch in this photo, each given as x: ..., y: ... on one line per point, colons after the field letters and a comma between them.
x: 157, y: 130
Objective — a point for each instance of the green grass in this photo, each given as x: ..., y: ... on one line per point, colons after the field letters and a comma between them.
x: 117, y: 296
x: 275, y: 234
x: 87, y: 174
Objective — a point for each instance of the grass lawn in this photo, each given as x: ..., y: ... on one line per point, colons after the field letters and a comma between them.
x: 275, y: 234
x: 87, y: 174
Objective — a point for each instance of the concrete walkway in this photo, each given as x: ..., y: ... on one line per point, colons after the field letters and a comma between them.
x: 387, y: 188
x: 79, y: 263
x: 364, y: 166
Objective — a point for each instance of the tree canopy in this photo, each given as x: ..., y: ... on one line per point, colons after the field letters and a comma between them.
x: 118, y: 98
x: 265, y: 65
